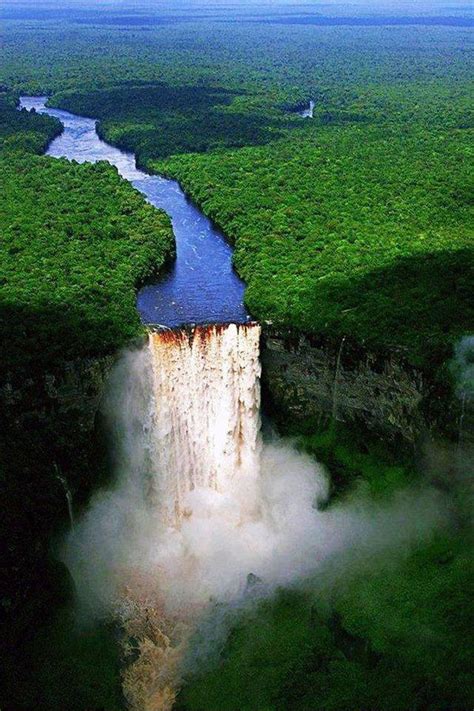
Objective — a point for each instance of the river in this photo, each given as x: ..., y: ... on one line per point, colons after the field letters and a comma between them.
x: 202, y: 286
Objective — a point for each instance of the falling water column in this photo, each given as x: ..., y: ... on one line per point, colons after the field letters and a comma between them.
x: 206, y: 403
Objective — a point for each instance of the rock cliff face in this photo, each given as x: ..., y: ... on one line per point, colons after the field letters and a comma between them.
x: 306, y: 377
x: 72, y: 393
x: 303, y: 376
x: 50, y: 463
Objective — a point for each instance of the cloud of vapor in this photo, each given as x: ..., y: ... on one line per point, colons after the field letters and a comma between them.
x: 122, y: 541
x: 464, y: 367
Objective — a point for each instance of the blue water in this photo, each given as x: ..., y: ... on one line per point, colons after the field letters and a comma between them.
x: 202, y: 286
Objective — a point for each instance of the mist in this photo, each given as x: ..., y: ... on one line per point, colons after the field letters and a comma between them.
x: 125, y: 544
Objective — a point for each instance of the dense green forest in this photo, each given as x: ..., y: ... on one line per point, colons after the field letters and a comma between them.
x: 386, y: 641
x: 77, y: 241
x: 378, y: 632
x: 365, y: 232
x: 356, y: 223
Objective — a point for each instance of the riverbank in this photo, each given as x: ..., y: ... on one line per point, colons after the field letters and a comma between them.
x: 296, y: 268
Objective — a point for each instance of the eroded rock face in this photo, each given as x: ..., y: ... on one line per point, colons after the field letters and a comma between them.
x: 75, y: 389
x: 48, y: 455
x: 50, y: 437
x: 304, y: 377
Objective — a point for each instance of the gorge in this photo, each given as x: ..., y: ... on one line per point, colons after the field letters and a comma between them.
x: 201, y: 509
x: 236, y: 393
x: 377, y: 391
x: 201, y: 285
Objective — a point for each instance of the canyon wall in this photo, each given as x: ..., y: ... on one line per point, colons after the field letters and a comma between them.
x: 303, y: 377
x: 50, y: 461
x: 308, y: 378
x: 72, y: 391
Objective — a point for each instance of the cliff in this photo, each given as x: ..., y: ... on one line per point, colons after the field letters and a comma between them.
x: 71, y: 392
x: 306, y: 377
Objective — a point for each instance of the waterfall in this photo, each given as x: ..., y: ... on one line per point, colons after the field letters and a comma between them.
x: 206, y: 390
x: 309, y: 112
x: 202, y: 514
x: 203, y: 438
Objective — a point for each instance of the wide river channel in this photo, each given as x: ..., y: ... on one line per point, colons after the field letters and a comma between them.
x: 202, y: 286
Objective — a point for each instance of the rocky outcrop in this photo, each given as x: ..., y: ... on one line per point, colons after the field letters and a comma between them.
x: 71, y: 392
x: 305, y: 377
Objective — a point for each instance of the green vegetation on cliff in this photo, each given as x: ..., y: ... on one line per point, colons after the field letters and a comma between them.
x: 363, y: 231
x: 384, y: 631
x: 155, y: 120
x: 22, y: 131
x: 386, y: 639
x: 356, y: 223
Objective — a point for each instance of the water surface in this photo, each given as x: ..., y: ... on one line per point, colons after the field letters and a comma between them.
x: 202, y: 286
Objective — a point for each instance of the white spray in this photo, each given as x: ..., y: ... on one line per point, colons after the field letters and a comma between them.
x: 199, y: 502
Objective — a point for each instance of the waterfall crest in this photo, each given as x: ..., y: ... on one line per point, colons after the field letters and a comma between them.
x: 206, y: 390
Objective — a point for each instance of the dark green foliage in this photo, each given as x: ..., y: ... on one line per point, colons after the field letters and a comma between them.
x: 360, y: 231
x: 22, y: 131
x: 77, y: 240
x: 58, y: 664
x: 394, y: 638
x: 156, y: 120
x: 356, y: 223
x: 352, y: 457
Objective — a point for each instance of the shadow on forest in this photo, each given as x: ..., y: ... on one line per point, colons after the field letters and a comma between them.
x: 427, y: 298
x: 156, y: 120
x: 45, y: 399
x: 419, y: 303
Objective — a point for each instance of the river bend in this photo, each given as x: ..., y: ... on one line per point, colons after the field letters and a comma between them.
x: 201, y: 286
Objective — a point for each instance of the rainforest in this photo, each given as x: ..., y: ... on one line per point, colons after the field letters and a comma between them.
x: 263, y: 502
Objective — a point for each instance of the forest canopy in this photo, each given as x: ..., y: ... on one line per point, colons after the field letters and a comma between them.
x: 77, y: 241
x: 356, y: 223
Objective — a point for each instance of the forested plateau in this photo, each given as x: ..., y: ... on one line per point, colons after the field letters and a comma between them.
x: 357, y: 223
